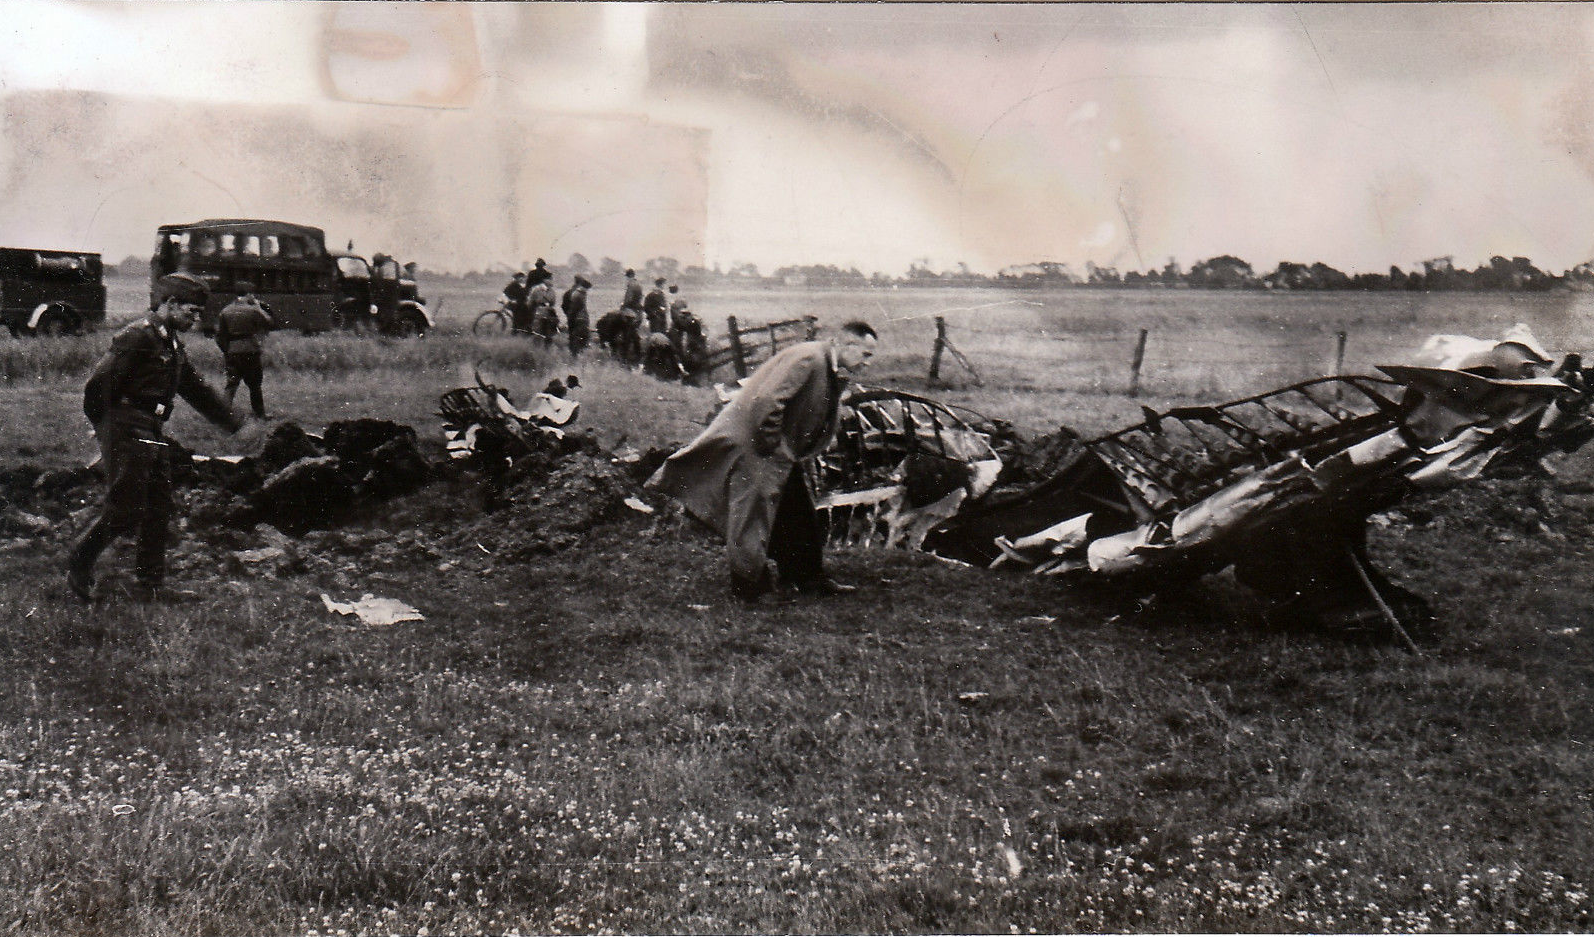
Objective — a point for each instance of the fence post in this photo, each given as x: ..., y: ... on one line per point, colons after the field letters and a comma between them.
x: 935, y: 354
x: 774, y: 341
x: 738, y: 357
x: 1339, y: 362
x: 1134, y: 367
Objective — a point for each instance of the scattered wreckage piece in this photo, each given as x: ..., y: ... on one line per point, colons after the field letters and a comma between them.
x: 900, y: 465
x: 300, y: 481
x: 482, y: 423
x: 1279, y: 485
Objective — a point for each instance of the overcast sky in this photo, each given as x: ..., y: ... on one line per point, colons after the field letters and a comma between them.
x: 459, y: 135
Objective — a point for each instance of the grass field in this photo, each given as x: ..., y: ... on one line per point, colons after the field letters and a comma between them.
x: 599, y: 740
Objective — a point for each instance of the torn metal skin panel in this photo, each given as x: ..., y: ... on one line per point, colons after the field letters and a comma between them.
x: 1278, y: 485
x: 483, y: 422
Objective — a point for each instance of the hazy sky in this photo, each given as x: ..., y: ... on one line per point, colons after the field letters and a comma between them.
x: 459, y: 135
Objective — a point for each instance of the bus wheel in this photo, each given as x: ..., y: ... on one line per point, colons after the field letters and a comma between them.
x: 410, y: 327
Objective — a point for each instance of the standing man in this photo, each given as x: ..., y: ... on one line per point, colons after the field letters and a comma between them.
x: 743, y: 475
x: 539, y: 273
x: 656, y: 308
x: 239, y: 331
x: 629, y: 346
x: 514, y: 300
x: 544, y: 320
x: 574, y: 303
x: 128, y: 398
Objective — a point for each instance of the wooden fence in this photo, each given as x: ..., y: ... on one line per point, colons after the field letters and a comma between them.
x: 747, y: 347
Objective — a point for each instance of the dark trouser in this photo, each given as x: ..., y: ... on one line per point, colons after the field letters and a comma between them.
x: 628, y: 346
x: 580, y: 333
x: 245, y: 366
x: 520, y: 318
x: 796, y: 538
x: 545, y: 326
x: 139, y: 500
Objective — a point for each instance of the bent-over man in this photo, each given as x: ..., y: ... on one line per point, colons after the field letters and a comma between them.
x: 743, y: 474
x: 128, y: 398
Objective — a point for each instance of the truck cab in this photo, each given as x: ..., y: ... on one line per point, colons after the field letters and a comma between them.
x: 49, y: 292
x: 379, y: 296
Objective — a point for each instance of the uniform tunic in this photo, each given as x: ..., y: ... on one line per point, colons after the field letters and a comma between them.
x: 128, y: 398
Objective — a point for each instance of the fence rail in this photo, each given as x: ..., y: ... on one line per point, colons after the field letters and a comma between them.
x: 1137, y: 358
x: 749, y: 346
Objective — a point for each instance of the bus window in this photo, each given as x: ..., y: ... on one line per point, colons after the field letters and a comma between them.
x: 250, y: 246
x: 204, y: 245
x: 268, y: 246
x: 229, y: 243
x: 293, y: 248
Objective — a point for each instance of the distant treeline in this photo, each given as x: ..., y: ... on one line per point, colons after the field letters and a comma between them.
x: 1224, y: 273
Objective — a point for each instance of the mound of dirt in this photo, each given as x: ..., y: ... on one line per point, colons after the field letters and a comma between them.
x: 553, y: 512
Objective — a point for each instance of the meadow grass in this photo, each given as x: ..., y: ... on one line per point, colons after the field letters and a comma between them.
x: 602, y: 741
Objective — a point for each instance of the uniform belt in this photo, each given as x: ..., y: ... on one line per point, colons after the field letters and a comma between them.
x: 152, y: 407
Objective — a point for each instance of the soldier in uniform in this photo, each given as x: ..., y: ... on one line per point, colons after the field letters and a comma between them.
x: 656, y: 308
x: 128, y: 398
x: 574, y: 303
x: 544, y: 319
x: 239, y: 331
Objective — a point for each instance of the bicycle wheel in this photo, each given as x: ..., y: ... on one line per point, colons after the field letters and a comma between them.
x: 491, y: 322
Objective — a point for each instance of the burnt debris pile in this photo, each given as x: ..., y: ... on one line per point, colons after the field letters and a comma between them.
x: 301, y: 482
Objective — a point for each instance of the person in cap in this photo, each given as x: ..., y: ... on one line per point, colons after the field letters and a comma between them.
x: 544, y: 318
x: 240, y: 330
x: 577, y: 325
x: 656, y: 308
x: 514, y: 301
x: 128, y: 398
x: 539, y: 273
x: 743, y: 475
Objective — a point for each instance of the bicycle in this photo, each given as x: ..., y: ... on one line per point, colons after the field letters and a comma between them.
x: 492, y: 321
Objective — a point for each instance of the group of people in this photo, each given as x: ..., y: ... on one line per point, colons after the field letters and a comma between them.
x: 743, y: 475
x: 656, y: 331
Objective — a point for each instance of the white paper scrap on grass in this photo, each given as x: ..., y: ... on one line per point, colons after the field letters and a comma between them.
x: 637, y: 504
x: 374, y: 611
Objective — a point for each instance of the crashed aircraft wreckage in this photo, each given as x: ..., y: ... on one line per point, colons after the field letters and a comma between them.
x: 1278, y: 485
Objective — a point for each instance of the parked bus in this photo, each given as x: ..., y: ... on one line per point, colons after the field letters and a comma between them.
x: 286, y: 266
x: 46, y: 292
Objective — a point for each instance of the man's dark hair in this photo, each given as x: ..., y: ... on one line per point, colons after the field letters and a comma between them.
x: 861, y: 329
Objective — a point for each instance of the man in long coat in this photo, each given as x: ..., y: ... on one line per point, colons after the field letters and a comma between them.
x: 743, y: 474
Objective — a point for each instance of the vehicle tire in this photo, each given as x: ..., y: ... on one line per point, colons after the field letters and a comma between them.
x: 57, y: 320
x: 346, y: 316
x: 491, y: 322
x: 410, y: 326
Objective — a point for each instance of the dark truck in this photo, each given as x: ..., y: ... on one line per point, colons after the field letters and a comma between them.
x: 381, y: 296
x: 289, y: 269
x: 45, y: 292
